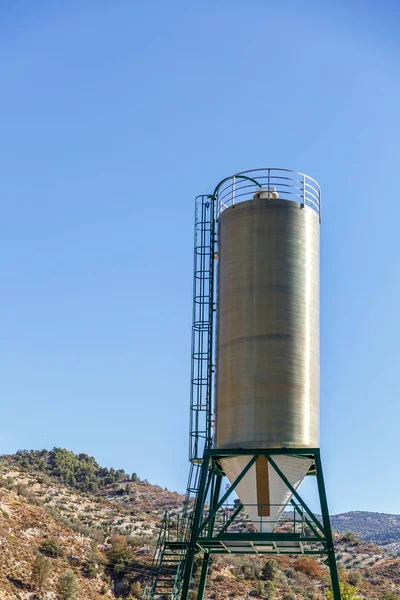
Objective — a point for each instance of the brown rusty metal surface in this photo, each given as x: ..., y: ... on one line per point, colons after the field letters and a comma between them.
x: 262, y: 483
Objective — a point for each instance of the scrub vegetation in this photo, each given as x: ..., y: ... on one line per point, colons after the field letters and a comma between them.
x: 73, y: 530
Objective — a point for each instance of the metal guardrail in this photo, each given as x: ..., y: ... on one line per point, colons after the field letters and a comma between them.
x: 167, y: 568
x: 229, y: 520
x: 280, y: 183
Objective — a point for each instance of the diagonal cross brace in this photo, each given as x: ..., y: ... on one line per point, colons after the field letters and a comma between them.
x: 227, y: 494
x: 294, y: 492
x: 302, y: 515
x: 231, y: 519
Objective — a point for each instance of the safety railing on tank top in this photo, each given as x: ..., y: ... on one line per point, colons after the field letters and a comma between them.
x: 272, y: 183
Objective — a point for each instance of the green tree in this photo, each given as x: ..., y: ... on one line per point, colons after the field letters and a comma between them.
x: 350, y: 537
x: 270, y: 570
x: 354, y: 578
x: 348, y: 592
x: 258, y: 589
x: 269, y: 591
x: 120, y: 474
x: 136, y: 589
x: 51, y: 547
x: 80, y: 471
x: 90, y: 571
x: 67, y: 587
x: 41, y: 569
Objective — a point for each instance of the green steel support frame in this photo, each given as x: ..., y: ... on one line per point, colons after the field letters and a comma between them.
x: 207, y: 555
x: 328, y: 531
x: 205, y: 537
x: 201, y: 528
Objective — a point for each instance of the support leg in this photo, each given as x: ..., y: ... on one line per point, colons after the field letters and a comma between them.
x: 198, y: 511
x: 327, y: 528
x: 203, y: 576
x: 207, y: 557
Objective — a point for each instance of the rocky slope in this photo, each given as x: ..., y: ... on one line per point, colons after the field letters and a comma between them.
x: 106, y: 536
x: 24, y: 529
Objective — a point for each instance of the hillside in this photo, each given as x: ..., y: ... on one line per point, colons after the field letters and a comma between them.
x: 102, y: 525
x: 24, y: 532
x: 380, y: 528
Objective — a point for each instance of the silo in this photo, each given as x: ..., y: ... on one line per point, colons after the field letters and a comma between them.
x: 267, y: 367
x: 254, y: 402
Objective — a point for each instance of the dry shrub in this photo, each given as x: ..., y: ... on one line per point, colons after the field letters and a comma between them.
x: 308, y: 566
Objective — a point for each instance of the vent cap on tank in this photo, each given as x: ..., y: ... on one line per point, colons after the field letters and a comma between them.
x: 266, y: 193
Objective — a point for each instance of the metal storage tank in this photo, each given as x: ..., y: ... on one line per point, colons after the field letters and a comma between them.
x: 267, y: 372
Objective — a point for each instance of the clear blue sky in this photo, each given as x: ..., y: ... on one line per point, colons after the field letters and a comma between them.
x: 114, y: 115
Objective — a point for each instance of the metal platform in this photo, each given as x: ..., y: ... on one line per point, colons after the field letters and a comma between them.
x: 231, y: 544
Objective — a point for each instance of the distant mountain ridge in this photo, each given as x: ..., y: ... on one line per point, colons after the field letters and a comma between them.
x: 380, y: 528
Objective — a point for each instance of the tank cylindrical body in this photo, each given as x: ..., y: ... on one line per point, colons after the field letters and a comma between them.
x: 267, y: 392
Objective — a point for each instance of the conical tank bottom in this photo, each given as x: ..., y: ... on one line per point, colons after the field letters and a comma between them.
x: 262, y: 492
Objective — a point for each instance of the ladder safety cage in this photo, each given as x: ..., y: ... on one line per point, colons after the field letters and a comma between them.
x: 200, y: 434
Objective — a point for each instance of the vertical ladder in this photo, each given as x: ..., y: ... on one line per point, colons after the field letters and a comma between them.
x: 202, y: 330
x: 202, y: 368
x: 169, y: 562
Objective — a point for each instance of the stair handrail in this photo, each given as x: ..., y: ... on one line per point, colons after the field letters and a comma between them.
x: 157, y: 558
